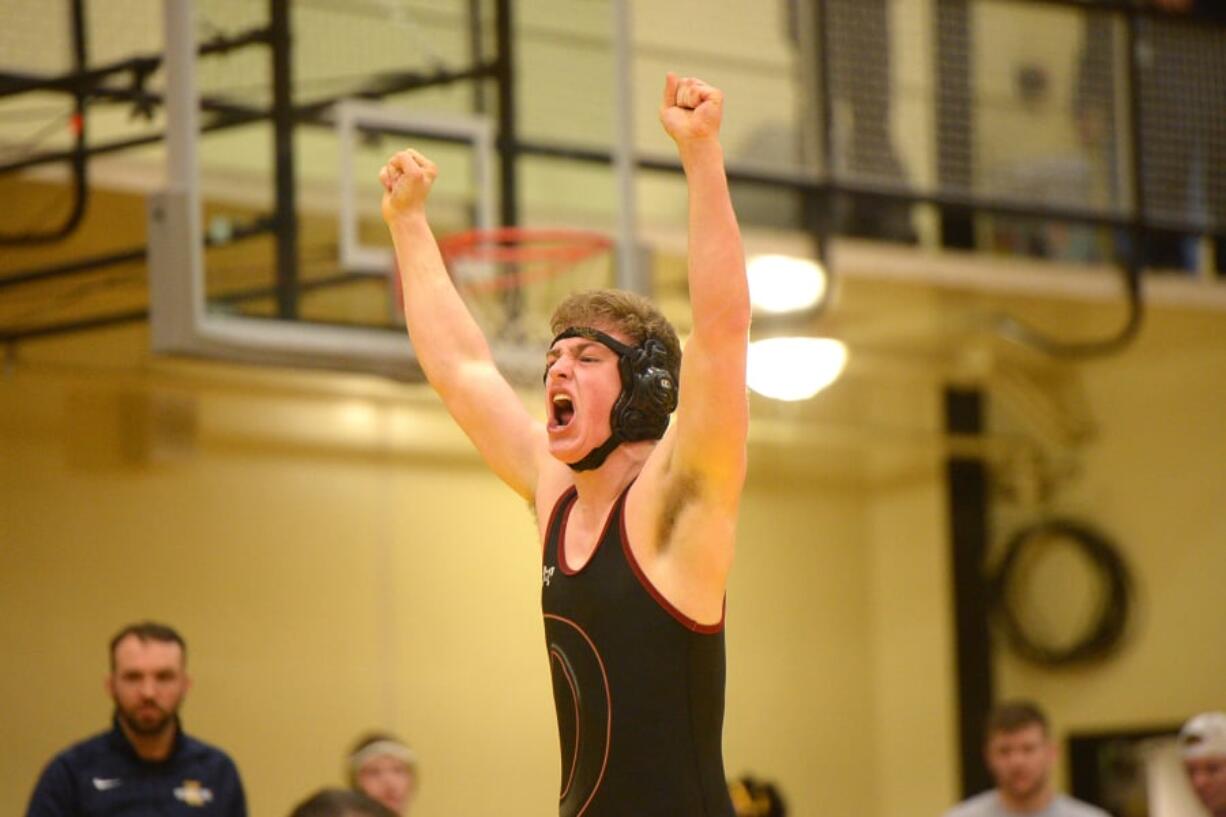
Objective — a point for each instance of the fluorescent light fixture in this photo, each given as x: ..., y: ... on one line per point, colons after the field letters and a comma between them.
x: 784, y: 283
x: 794, y: 368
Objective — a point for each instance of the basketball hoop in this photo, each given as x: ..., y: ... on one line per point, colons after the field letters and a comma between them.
x: 512, y: 278
x: 531, y: 253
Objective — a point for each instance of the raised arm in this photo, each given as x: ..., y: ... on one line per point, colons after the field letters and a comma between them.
x: 452, y: 350
x: 712, y: 412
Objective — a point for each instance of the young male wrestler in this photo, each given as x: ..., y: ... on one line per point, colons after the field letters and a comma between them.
x: 637, y: 515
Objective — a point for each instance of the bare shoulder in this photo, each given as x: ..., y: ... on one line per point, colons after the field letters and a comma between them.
x: 671, y: 505
x: 553, y: 479
x: 682, y: 534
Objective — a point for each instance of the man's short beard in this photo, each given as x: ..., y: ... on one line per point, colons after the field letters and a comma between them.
x: 1039, y: 784
x: 137, y: 728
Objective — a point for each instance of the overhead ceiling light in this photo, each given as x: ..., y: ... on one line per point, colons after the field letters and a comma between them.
x: 794, y: 368
x: 784, y: 283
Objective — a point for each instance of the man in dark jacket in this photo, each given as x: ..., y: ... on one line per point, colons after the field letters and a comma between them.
x: 144, y: 764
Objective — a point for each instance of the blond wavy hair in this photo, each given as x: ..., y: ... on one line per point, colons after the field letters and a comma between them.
x: 626, y: 312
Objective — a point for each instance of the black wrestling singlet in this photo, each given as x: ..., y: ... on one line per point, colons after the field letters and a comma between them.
x: 639, y: 688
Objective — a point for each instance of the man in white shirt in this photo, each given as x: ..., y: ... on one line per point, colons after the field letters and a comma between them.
x: 1021, y: 754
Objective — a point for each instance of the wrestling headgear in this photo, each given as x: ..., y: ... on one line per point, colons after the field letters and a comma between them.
x: 648, y: 395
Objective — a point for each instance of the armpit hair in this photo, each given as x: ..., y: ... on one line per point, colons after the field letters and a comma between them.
x: 682, y: 489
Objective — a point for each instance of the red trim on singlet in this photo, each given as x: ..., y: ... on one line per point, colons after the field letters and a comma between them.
x: 574, y: 697
x: 682, y: 618
x: 604, y: 529
x: 557, y: 505
x: 608, y: 744
x: 553, y: 517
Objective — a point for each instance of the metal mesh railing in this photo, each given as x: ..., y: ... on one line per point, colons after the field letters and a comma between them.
x: 1010, y: 103
x: 865, y: 93
x: 1182, y: 73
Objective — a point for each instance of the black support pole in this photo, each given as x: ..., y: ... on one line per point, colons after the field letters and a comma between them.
x: 967, y: 479
x: 77, y: 157
x: 1140, y: 236
x: 820, y: 205
x: 508, y: 206
x: 286, y: 215
x: 476, y: 52
x: 954, y: 124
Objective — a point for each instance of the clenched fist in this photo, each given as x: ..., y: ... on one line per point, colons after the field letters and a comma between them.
x: 407, y: 178
x: 691, y: 109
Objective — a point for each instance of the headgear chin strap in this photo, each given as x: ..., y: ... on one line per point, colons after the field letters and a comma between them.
x: 648, y: 395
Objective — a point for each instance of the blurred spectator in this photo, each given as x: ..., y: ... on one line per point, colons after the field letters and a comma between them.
x: 1203, y: 744
x: 1021, y: 754
x: 1182, y: 65
x: 145, y: 764
x: 861, y: 76
x: 1181, y: 70
x: 340, y: 803
x: 384, y: 768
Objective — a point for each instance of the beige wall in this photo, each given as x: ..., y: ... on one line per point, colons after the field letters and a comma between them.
x: 1154, y: 479
x: 324, y: 543
x: 338, y: 561
x: 328, y: 582
x: 911, y: 629
x: 798, y: 650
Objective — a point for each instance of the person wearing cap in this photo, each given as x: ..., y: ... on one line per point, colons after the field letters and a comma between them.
x: 384, y: 768
x: 1020, y: 754
x: 1203, y: 744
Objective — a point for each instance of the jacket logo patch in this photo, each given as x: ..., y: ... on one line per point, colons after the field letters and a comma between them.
x: 193, y: 793
x: 106, y: 783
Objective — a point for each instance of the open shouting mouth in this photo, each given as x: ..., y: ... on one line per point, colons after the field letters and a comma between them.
x: 562, y: 411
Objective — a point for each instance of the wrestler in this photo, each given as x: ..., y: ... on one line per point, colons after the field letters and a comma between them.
x: 637, y: 514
